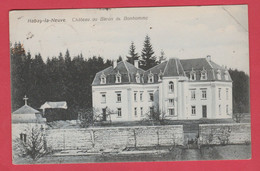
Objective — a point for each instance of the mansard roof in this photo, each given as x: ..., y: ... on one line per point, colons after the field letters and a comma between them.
x: 203, y: 64
x: 171, y: 68
x: 126, y: 70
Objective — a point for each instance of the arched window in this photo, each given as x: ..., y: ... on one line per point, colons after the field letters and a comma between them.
x: 203, y: 75
x: 137, y: 77
x: 160, y: 76
x: 218, y: 74
x: 118, y: 77
x: 103, y: 78
x: 192, y: 75
x: 226, y: 75
x: 171, y: 87
x: 150, y: 77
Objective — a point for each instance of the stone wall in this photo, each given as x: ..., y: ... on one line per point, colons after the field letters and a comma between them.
x: 114, y: 137
x: 233, y: 133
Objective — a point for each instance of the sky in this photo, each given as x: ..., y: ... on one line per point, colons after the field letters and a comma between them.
x: 182, y: 32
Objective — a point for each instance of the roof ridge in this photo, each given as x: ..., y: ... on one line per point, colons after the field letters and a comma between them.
x: 127, y: 71
x: 166, y: 66
x: 177, y: 67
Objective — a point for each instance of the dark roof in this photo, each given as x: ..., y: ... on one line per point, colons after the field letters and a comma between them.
x: 125, y: 69
x: 172, y: 67
x: 202, y: 64
x: 26, y: 110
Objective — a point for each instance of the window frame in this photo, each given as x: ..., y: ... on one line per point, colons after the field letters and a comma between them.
x: 193, y: 110
x: 119, y: 111
x: 118, y: 97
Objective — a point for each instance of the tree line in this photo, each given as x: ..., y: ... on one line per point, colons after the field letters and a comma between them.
x: 67, y: 78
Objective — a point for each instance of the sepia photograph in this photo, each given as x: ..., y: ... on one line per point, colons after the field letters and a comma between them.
x: 130, y: 84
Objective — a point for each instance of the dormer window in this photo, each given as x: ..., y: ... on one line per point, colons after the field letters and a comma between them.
x: 226, y: 75
x: 160, y: 76
x: 203, y: 74
x: 150, y: 77
x: 218, y: 74
x: 103, y: 78
x: 118, y: 77
x: 137, y: 77
x: 192, y: 75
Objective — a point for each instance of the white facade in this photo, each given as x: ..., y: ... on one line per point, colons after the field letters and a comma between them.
x: 173, y: 92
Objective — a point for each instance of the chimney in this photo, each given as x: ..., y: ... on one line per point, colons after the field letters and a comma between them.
x: 114, y: 63
x: 136, y: 62
x: 208, y: 58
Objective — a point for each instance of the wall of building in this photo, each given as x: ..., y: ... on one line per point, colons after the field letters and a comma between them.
x: 114, y: 137
x: 128, y: 103
x: 235, y: 133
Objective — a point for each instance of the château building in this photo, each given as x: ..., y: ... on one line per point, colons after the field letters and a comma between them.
x: 178, y: 89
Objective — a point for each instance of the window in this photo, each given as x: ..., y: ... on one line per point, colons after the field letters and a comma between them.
x: 118, y: 97
x: 171, y: 87
x: 192, y: 75
x: 227, y: 109
x: 203, y: 74
x: 150, y: 96
x: 135, y: 99
x: 141, y: 96
x: 193, y: 94
x: 219, y: 109
x: 151, y: 111
x: 141, y: 111
x: 135, y: 112
x: 226, y: 75
x: 119, y: 112
x: 218, y: 74
x: 193, y: 110
x: 103, y: 78
x: 227, y: 93
x: 204, y: 94
x: 103, y: 98
x: 150, y: 77
x: 171, y: 112
x: 137, y: 77
x: 171, y: 102
x: 118, y: 77
x: 219, y: 93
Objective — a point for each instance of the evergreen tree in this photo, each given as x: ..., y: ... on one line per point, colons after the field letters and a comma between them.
x: 133, y: 55
x: 119, y: 58
x: 148, y: 59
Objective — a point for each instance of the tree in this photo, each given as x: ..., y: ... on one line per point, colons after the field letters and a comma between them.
x: 32, y: 143
x: 133, y: 55
x: 148, y: 59
x: 162, y: 56
x: 119, y: 58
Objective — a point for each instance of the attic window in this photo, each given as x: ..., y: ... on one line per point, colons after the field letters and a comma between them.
x: 218, y: 75
x: 118, y: 77
x: 192, y: 75
x: 203, y: 75
x: 137, y: 77
x: 226, y: 75
x: 103, y: 78
x: 160, y: 76
x: 150, y: 77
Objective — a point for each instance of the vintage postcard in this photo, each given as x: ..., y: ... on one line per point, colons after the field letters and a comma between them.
x: 130, y: 84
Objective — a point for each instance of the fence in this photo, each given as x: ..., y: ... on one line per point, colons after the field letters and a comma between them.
x: 114, y: 137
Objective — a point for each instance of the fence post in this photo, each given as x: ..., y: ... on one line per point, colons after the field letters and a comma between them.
x: 64, y: 145
x: 134, y: 137
x: 158, y: 137
x: 92, y: 134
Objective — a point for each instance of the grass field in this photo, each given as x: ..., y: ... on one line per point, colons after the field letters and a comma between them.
x: 228, y: 152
